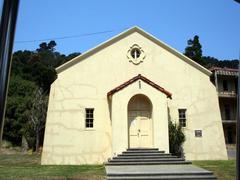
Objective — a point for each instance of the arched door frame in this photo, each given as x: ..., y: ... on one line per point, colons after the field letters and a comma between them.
x: 148, y: 108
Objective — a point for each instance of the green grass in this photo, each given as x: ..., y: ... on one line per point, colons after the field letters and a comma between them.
x: 28, y: 167
x: 222, y: 169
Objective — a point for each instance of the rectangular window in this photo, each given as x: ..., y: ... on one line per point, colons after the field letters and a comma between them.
x: 225, y: 85
x: 89, y: 117
x: 182, y: 117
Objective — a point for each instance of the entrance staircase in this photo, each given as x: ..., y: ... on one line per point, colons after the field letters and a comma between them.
x: 152, y: 164
x: 145, y: 157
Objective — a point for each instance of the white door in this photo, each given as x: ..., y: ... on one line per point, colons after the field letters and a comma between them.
x: 140, y: 129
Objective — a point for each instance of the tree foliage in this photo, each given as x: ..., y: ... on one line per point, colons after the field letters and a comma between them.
x: 176, y: 138
x: 31, y: 76
x: 19, y: 99
x: 213, y: 62
x: 47, y: 46
x: 194, y: 52
x: 194, y: 49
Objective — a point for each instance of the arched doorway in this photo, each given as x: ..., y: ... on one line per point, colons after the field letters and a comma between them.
x: 140, y: 122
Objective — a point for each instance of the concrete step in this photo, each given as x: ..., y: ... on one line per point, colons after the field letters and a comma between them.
x: 171, y: 177
x: 146, y: 163
x: 147, y: 160
x: 143, y: 154
x: 144, y: 157
x: 168, y: 170
x: 142, y: 149
x: 196, y: 173
x: 136, y: 152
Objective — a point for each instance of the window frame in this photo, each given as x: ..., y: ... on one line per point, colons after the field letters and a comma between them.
x: 182, y: 120
x: 89, y: 118
x: 135, y: 53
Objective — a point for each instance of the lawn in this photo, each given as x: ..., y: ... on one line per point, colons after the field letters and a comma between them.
x: 222, y: 169
x: 27, y: 167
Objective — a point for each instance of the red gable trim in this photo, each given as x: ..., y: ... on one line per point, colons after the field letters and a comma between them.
x: 139, y: 76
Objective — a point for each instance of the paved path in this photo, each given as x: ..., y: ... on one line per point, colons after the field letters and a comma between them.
x: 143, y: 169
x: 231, y: 153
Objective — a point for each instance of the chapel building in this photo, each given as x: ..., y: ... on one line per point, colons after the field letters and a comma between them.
x: 121, y: 94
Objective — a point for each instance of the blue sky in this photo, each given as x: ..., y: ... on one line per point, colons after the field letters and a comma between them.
x: 217, y: 22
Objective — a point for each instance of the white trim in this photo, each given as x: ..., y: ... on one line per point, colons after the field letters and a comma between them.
x: 124, y: 34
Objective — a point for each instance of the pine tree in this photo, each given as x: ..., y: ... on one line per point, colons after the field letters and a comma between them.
x: 194, y: 50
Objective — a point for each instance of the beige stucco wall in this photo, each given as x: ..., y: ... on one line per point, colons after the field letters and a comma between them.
x: 67, y: 141
x: 85, y: 85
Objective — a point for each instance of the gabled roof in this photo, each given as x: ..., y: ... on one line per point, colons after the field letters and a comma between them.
x: 121, y: 36
x: 139, y: 77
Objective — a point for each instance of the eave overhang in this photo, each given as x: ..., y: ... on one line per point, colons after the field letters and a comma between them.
x: 144, y: 79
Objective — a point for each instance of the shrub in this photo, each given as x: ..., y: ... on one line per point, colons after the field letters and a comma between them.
x: 176, y: 138
x: 6, y: 144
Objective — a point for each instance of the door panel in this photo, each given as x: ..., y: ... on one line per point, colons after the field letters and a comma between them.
x: 133, y: 132
x: 140, y: 129
x: 145, y: 129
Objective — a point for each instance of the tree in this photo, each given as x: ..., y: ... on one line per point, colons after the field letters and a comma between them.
x: 42, y: 47
x: 51, y: 45
x: 32, y: 73
x: 37, y: 116
x: 211, y: 62
x: 71, y: 56
x: 194, y: 50
x: 19, y: 98
x: 47, y: 46
x: 176, y: 138
x: 34, y: 67
x: 42, y: 75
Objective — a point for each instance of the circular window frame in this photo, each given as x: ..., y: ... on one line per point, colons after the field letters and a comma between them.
x: 135, y: 53
x: 139, y: 54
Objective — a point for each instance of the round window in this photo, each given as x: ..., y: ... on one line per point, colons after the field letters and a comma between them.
x: 135, y: 53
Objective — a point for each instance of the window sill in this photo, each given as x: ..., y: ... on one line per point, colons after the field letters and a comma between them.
x: 90, y: 129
